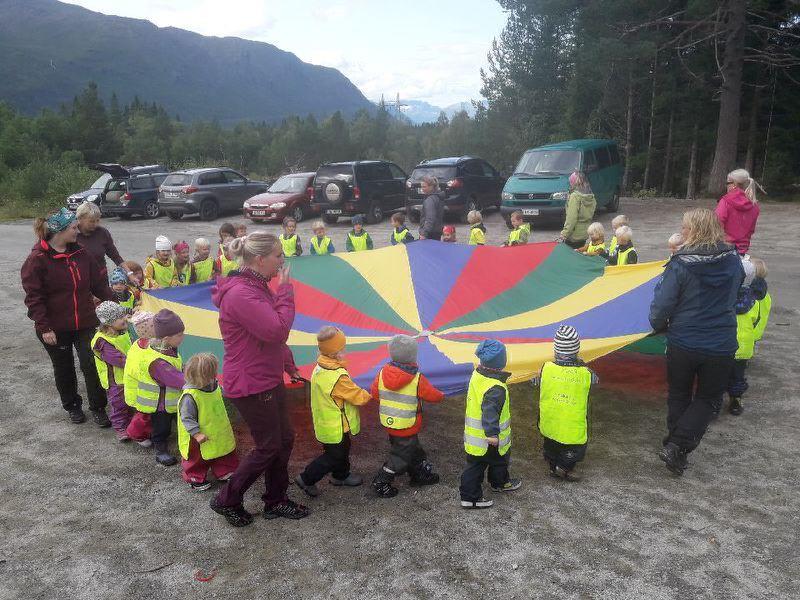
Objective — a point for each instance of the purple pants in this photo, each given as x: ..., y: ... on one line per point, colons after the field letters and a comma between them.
x: 121, y: 413
x: 267, y: 417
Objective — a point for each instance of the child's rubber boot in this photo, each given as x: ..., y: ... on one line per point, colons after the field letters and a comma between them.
x: 163, y: 457
x: 382, y: 484
x: 423, y: 475
x: 310, y: 490
x: 736, y: 407
x: 674, y: 458
x: 349, y: 481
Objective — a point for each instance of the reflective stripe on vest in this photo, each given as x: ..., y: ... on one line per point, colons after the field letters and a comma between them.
x: 163, y: 275
x: 398, y: 408
x: 474, y: 437
x: 320, y: 247
x: 226, y: 266
x: 289, y: 244
x: 622, y: 256
x: 121, y: 342
x: 214, y: 423
x: 327, y: 415
x: 595, y: 248
x: 399, y: 237
x: 359, y: 242
x: 563, y: 403
x: 147, y: 390
x: 203, y: 269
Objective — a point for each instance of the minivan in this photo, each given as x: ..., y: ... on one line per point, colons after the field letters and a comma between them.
x: 539, y: 185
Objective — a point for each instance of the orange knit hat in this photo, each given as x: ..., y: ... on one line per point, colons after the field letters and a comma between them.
x: 332, y: 345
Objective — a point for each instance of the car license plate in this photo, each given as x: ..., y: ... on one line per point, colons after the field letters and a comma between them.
x: 530, y: 212
x: 170, y: 194
x: 259, y: 213
x: 336, y: 211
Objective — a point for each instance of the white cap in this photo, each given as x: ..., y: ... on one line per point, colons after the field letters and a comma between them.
x: 163, y: 243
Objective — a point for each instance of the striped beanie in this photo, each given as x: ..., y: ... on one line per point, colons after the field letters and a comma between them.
x: 566, y: 341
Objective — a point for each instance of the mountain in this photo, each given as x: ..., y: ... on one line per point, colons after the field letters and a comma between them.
x: 419, y: 111
x: 49, y: 51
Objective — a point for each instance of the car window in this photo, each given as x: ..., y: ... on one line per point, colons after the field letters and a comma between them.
x: 101, y: 181
x: 159, y: 179
x: 474, y: 168
x: 213, y: 178
x: 444, y: 173
x: 233, y: 177
x: 589, y: 161
x: 142, y: 183
x: 329, y: 172
x: 614, y: 152
x: 603, y: 158
x: 397, y: 172
x: 488, y: 171
x: 548, y: 162
x: 382, y: 172
x: 115, y: 185
x: 178, y: 179
x: 367, y: 172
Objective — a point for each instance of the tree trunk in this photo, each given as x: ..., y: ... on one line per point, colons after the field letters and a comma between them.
x: 752, y: 130
x: 628, y: 134
x: 730, y: 98
x: 646, y: 178
x: 665, y: 187
x: 691, y: 183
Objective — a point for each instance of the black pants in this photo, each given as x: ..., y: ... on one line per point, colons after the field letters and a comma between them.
x: 63, y: 359
x: 406, y: 455
x: 335, y: 459
x: 737, y: 382
x: 472, y: 477
x: 690, y: 408
x: 561, y: 455
x: 162, y: 427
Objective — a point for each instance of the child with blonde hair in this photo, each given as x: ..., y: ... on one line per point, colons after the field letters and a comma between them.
x: 624, y: 253
x: 335, y: 399
x: 205, y: 435
x: 616, y: 223
x: 321, y: 244
x: 596, y: 240
x: 202, y: 262
x: 763, y: 298
x: 477, y: 231
x: 521, y: 232
x: 110, y: 346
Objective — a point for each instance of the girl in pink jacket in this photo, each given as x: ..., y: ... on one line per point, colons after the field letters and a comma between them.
x: 738, y: 209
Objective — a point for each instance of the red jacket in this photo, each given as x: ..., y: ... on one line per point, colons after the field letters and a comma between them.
x: 738, y: 217
x: 59, y: 288
x: 395, y: 376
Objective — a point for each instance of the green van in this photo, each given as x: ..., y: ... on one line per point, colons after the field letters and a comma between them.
x: 540, y: 183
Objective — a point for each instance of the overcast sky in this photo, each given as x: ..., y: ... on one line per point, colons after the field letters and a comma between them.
x: 428, y: 50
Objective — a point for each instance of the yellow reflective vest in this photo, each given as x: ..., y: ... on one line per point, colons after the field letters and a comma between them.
x: 474, y: 437
x: 327, y: 415
x: 476, y: 236
x: 622, y: 256
x: 184, y: 276
x: 320, y: 247
x: 121, y: 342
x: 613, y: 245
x: 764, y: 308
x: 163, y: 275
x: 564, y: 402
x: 594, y: 248
x: 398, y: 408
x: 400, y: 237
x: 203, y: 269
x: 226, y: 265
x: 289, y: 245
x: 746, y: 332
x: 358, y: 242
x: 515, y: 238
x: 141, y: 390
x: 214, y: 423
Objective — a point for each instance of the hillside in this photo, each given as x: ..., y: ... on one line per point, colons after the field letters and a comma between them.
x: 49, y: 51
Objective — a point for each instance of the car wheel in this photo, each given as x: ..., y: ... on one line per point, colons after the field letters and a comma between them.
x: 613, y: 206
x: 471, y: 205
x: 298, y: 214
x: 209, y: 210
x: 150, y: 209
x: 330, y: 219
x: 335, y: 191
x: 175, y: 215
x: 375, y: 213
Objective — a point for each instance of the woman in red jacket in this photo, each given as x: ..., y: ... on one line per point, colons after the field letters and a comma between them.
x: 738, y: 209
x: 60, y: 278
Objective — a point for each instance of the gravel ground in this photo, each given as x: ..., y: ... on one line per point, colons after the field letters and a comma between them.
x: 87, y: 517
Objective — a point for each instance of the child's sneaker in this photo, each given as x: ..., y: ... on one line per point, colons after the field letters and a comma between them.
x: 736, y: 407
x: 200, y: 486
x: 145, y: 443
x: 349, y: 481
x: 561, y: 473
x: 508, y: 486
x: 286, y: 509
x: 384, y: 489
x: 311, y: 490
x: 236, y: 516
x: 424, y: 475
x: 122, y: 436
x: 472, y: 504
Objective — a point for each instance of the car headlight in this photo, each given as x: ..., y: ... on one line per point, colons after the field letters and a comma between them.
x: 560, y: 196
x: 246, y: 204
x: 507, y: 196
x: 278, y: 205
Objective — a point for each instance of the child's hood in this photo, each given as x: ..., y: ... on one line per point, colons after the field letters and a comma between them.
x: 525, y: 227
x: 328, y: 362
x: 738, y: 200
x: 584, y: 199
x: 398, y: 376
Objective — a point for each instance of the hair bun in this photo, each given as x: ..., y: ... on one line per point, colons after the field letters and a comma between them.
x: 236, y: 246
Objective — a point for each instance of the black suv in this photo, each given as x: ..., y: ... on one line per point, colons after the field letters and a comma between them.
x: 369, y: 187
x: 207, y: 192
x: 131, y: 190
x: 468, y: 183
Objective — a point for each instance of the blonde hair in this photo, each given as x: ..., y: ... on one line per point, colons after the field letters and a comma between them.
x: 201, y: 370
x: 579, y: 182
x: 619, y: 221
x: 743, y: 181
x: 40, y: 228
x: 705, y: 230
x: 624, y: 233
x: 431, y: 181
x: 131, y: 266
x: 88, y: 209
x: 596, y: 228
x: 399, y: 217
x: 474, y: 216
x: 202, y: 243
x: 258, y: 243
x: 676, y: 239
x: 760, y: 267
x: 327, y: 332
x: 317, y: 225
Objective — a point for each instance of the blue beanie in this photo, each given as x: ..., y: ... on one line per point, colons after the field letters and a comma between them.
x: 492, y: 354
x: 118, y: 275
x: 357, y: 220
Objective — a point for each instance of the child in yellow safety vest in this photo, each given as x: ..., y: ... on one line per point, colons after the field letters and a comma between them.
x: 521, y: 230
x: 159, y: 270
x: 140, y: 427
x: 110, y: 347
x: 747, y: 316
x: 118, y: 281
x: 184, y: 269
x: 624, y: 253
x: 225, y: 263
x: 135, y: 274
x: 616, y: 223
x: 487, y: 428
x: 320, y: 244
x: 400, y: 388
x: 154, y: 380
x: 400, y: 233
x: 203, y: 264
x: 477, y: 230
x: 289, y: 238
x: 564, y: 405
x: 763, y: 298
x: 335, y: 399
x: 596, y: 240
x: 358, y: 239
x: 205, y: 435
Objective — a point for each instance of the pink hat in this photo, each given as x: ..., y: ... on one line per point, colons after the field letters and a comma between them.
x: 142, y: 322
x: 574, y: 178
x: 180, y: 246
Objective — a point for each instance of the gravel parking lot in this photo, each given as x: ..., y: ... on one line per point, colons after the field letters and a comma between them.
x: 83, y: 516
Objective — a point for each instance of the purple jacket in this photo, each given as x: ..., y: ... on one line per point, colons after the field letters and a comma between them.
x: 255, y: 325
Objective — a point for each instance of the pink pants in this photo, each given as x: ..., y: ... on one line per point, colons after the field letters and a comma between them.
x: 140, y: 427
x: 195, y: 468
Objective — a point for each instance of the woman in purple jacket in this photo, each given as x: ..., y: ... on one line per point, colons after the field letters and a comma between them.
x: 255, y: 324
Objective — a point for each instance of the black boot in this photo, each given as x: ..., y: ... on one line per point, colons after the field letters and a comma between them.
x: 163, y: 456
x: 736, y: 407
x: 382, y: 484
x: 423, y: 474
x: 674, y: 458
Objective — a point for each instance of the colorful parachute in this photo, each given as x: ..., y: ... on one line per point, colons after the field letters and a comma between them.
x: 451, y: 296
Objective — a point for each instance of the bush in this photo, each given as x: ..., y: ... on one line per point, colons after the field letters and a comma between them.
x: 41, y: 186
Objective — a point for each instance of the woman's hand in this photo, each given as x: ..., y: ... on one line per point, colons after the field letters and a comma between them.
x: 283, y: 275
x: 49, y: 338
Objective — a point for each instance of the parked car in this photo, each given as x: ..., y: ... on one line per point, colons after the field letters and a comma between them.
x: 131, y: 190
x: 369, y: 187
x: 91, y: 194
x: 540, y: 184
x: 207, y: 192
x: 289, y: 196
x: 468, y: 183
